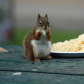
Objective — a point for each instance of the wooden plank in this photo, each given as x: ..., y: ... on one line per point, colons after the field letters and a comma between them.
x: 38, y: 78
x: 14, y: 60
x: 11, y: 61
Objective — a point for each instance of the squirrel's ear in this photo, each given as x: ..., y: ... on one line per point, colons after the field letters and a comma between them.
x: 46, y: 16
x: 39, y: 16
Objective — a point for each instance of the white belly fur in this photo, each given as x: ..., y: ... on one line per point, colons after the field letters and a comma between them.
x: 41, y: 47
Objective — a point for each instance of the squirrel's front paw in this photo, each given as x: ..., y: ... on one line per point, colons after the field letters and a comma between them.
x: 48, y: 31
x: 39, y: 33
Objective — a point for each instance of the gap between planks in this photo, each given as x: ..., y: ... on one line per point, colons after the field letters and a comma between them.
x: 45, y: 72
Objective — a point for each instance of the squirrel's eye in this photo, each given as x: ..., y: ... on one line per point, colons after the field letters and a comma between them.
x: 40, y: 22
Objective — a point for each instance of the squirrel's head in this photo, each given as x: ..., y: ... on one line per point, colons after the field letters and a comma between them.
x: 43, y: 22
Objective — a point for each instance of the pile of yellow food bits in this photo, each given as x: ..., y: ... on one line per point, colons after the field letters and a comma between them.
x: 73, y: 45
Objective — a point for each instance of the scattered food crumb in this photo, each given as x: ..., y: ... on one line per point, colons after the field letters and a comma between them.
x: 42, y: 63
x: 10, y: 49
x: 34, y: 69
x: 17, y: 73
x: 33, y: 62
x: 3, y: 50
x: 49, y: 63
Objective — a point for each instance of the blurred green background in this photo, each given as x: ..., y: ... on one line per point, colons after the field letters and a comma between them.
x: 56, y: 36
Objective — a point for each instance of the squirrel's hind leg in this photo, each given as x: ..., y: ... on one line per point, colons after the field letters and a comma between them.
x: 36, y: 59
x: 48, y: 57
x: 34, y: 52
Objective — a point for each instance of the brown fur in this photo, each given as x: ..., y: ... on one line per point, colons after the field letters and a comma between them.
x: 48, y: 34
x: 37, y: 35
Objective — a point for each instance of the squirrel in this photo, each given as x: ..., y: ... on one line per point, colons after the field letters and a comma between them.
x: 37, y: 44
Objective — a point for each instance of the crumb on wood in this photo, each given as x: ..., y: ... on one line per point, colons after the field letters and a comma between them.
x: 33, y: 62
x: 3, y: 50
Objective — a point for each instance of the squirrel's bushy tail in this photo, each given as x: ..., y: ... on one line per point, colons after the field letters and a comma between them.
x: 25, y: 44
x: 25, y: 38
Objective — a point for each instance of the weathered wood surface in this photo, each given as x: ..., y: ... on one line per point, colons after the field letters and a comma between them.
x: 56, y: 70
x: 38, y: 78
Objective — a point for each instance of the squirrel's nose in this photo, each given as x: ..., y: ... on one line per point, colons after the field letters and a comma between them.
x: 45, y: 27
